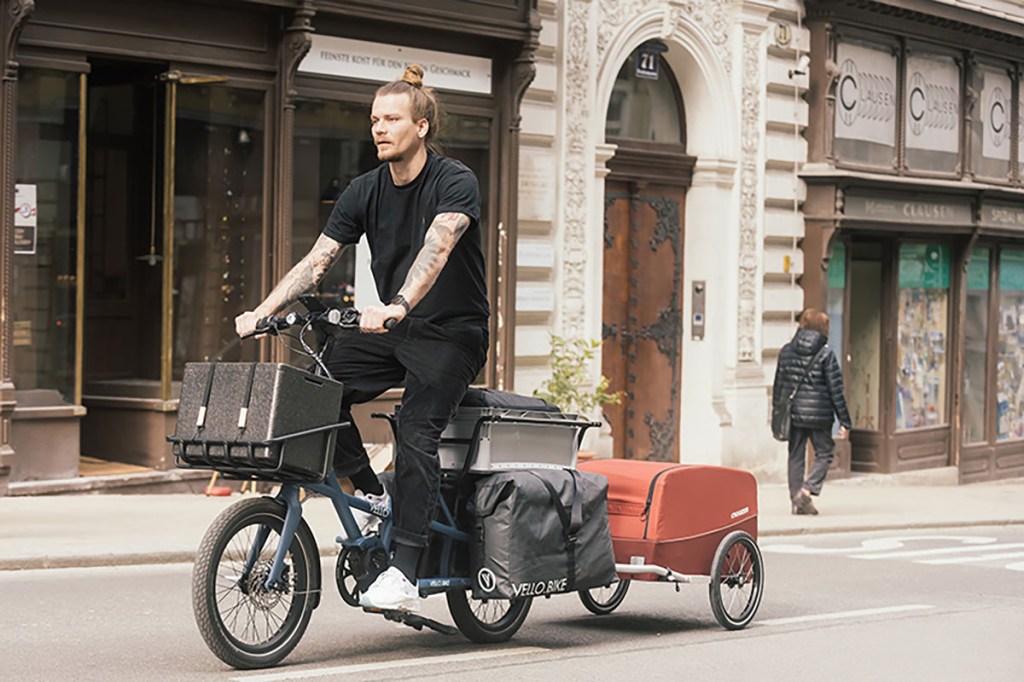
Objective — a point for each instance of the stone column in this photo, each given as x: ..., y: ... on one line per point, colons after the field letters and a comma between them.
x: 13, y: 14
x: 520, y: 74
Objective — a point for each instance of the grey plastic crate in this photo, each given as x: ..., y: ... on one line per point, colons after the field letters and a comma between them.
x: 510, y: 444
x: 284, y: 400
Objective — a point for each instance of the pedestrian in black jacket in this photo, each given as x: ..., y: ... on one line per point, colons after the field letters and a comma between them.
x: 819, y: 397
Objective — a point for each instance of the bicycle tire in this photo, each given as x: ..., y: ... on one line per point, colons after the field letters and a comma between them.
x: 301, y: 583
x: 600, y: 605
x: 739, y: 569
x: 480, y: 631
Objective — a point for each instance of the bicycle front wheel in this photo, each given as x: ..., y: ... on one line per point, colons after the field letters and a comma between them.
x: 245, y: 623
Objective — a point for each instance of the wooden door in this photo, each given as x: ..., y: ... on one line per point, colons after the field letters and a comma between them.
x: 642, y: 310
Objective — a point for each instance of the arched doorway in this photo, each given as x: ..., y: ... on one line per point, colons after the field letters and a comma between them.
x: 644, y: 207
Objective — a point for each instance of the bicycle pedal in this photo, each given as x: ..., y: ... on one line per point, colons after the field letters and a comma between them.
x: 415, y: 621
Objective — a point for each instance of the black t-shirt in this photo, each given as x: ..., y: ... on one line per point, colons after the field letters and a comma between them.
x: 395, y: 220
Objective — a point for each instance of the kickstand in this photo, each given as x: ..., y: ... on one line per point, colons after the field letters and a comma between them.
x: 414, y: 621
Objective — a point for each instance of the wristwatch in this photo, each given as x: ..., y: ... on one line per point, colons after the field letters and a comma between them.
x: 400, y: 300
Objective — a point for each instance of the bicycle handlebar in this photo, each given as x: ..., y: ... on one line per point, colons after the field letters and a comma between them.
x: 344, y: 318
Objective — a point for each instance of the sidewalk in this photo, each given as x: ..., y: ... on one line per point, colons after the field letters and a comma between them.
x: 107, y: 530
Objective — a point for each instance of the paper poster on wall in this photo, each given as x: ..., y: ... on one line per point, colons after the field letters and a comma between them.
x: 932, y: 110
x: 866, y: 94
x: 25, y: 209
x: 995, y: 115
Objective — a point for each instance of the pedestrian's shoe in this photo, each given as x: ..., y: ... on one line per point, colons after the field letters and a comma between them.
x: 802, y: 505
x: 366, y: 521
x: 391, y: 591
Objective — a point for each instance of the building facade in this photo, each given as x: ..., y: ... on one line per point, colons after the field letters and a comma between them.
x: 164, y: 163
x: 672, y: 228
x: 915, y: 227
x: 678, y: 178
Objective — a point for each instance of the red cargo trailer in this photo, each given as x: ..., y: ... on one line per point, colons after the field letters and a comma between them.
x: 686, y: 524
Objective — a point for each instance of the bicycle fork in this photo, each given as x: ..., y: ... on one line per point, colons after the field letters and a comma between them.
x: 290, y: 495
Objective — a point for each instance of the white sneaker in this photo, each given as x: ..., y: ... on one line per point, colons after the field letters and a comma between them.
x: 391, y: 591
x: 366, y: 521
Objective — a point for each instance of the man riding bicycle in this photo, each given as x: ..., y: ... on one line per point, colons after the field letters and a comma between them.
x: 420, y: 213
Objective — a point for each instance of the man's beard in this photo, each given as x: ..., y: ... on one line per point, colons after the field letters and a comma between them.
x: 390, y: 155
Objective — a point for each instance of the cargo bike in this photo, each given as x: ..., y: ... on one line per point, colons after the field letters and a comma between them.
x: 257, y: 576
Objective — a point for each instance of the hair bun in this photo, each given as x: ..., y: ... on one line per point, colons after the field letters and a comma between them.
x: 413, y: 75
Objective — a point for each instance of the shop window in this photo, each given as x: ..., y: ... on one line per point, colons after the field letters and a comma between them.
x: 44, y: 270
x: 218, y: 218
x: 990, y: 132
x: 922, y: 327
x: 642, y: 108
x: 866, y: 112
x: 865, y: 281
x: 837, y: 304
x: 1010, y: 374
x: 975, y: 347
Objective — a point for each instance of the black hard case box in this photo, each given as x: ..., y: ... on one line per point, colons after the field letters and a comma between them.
x: 282, y: 400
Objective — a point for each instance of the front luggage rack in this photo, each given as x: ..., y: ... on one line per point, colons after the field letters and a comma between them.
x: 250, y: 467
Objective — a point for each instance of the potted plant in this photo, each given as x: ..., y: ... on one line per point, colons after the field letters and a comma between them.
x: 571, y: 386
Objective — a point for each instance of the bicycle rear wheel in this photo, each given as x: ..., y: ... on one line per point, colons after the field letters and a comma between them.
x: 487, y: 621
x: 246, y: 624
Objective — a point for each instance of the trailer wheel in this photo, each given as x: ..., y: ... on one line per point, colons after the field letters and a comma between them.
x: 737, y: 580
x: 603, y: 600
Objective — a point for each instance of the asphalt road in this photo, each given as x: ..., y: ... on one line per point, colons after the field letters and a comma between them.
x: 940, y: 605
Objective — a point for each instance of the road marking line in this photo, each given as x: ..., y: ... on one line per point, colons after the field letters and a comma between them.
x: 845, y: 614
x: 939, y: 550
x: 969, y: 559
x: 387, y: 665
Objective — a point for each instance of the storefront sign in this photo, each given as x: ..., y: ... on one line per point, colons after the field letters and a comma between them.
x: 384, y: 62
x: 1002, y: 215
x: 995, y: 115
x: 907, y: 211
x: 866, y: 94
x: 25, y: 210
x: 932, y: 111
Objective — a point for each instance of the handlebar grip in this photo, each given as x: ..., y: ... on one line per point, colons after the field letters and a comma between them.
x: 390, y: 323
x: 266, y: 325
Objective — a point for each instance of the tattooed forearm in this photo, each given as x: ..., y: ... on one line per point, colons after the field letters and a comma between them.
x: 304, y: 277
x: 438, y: 243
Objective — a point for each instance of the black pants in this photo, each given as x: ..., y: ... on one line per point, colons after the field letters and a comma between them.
x: 824, y: 448
x: 437, y: 364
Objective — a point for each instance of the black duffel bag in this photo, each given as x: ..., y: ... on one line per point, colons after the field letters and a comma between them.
x: 541, y: 531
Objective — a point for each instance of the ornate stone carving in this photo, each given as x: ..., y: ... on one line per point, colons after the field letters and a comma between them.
x: 750, y: 137
x: 614, y: 13
x: 18, y: 12
x: 578, y: 75
x: 710, y: 15
x: 298, y: 39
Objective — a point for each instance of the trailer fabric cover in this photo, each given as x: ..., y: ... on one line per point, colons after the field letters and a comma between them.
x: 542, y: 531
